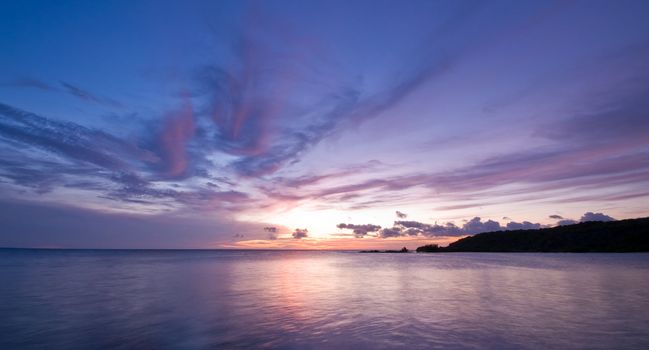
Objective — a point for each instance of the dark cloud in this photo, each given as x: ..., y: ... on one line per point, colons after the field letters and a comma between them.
x: 300, y: 233
x: 359, y: 230
x: 401, y: 215
x: 555, y: 216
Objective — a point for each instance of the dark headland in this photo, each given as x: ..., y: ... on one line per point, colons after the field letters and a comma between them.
x: 588, y: 237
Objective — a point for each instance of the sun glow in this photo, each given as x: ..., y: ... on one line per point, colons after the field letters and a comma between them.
x: 321, y: 223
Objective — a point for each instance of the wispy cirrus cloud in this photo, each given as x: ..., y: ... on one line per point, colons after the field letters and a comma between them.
x: 602, y: 153
x: 177, y: 131
x: 64, y: 87
x: 94, y: 160
x: 67, y: 139
x: 88, y: 96
x: 271, y: 106
x: 599, y: 143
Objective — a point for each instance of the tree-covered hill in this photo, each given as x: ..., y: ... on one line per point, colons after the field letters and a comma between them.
x: 615, y: 236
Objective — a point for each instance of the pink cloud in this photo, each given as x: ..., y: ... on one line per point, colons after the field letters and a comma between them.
x: 178, y: 129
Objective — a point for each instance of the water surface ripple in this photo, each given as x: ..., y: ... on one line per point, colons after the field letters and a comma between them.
x: 85, y: 299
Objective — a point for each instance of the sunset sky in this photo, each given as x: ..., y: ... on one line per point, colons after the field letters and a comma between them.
x: 317, y: 124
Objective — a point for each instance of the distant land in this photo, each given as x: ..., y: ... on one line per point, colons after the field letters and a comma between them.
x: 622, y: 236
x: 402, y: 250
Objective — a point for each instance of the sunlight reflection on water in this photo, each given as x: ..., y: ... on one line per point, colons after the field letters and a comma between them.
x: 316, y: 300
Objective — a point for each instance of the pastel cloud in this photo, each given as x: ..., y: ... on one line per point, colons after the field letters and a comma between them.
x: 590, y: 216
x: 177, y: 131
x: 405, y: 228
x: 300, y: 233
x: 359, y: 230
x: 107, y: 164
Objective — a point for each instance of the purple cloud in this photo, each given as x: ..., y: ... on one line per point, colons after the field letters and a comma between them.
x: 525, y: 225
x: 359, y: 230
x: 590, y: 216
x: 177, y: 131
x: 300, y: 233
x: 116, y: 168
x: 476, y: 225
x: 565, y: 222
x: 390, y: 232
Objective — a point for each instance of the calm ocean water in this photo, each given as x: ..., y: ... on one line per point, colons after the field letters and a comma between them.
x: 58, y: 299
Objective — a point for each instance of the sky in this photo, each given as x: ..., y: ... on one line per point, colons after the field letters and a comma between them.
x: 317, y: 124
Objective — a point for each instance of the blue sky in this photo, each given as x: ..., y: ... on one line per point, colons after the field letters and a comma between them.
x: 198, y: 124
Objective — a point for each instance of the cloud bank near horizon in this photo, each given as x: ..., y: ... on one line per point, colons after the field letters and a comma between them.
x: 403, y: 228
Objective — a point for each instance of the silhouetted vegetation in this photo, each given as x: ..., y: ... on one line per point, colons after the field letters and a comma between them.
x: 615, y: 236
x: 403, y: 250
x: 429, y: 248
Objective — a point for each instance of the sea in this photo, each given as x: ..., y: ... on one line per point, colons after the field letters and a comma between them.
x: 229, y: 299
